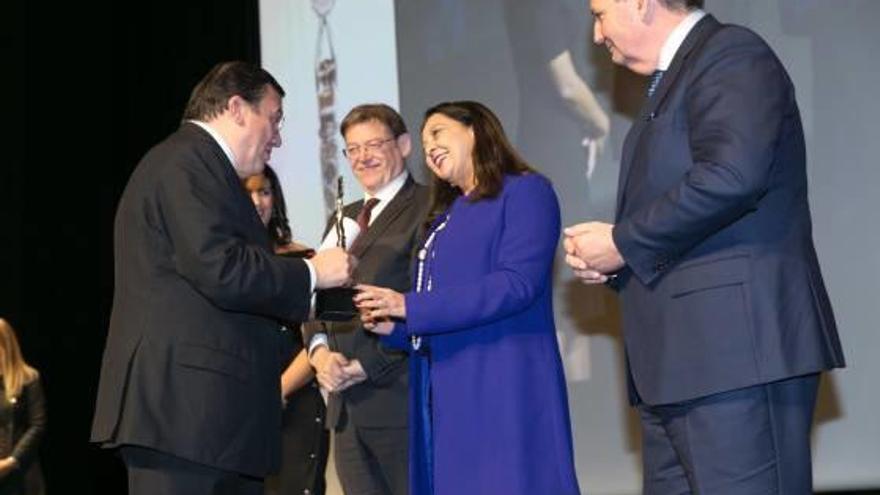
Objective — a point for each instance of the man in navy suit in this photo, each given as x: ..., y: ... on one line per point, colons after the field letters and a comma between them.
x: 727, y: 324
x: 189, y: 387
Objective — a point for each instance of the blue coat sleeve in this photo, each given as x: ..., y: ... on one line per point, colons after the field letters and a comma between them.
x: 520, y: 274
x: 397, y: 339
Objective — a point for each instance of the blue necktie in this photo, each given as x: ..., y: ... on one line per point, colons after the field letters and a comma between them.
x: 656, y: 76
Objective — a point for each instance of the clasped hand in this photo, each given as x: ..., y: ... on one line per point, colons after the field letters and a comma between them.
x: 334, y: 371
x: 591, y: 253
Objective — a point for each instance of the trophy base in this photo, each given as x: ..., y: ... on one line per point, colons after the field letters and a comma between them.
x: 302, y: 253
x: 335, y: 304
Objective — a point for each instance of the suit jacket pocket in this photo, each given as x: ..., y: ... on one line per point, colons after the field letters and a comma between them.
x: 707, y: 328
x: 708, y: 274
x: 212, y: 360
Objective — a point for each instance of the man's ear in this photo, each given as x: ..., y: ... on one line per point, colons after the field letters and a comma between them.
x: 647, y: 10
x: 404, y: 144
x: 235, y: 105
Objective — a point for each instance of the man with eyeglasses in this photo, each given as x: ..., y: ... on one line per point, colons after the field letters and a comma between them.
x: 189, y: 388
x: 368, y: 404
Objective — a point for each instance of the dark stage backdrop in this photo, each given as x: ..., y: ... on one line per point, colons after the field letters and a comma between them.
x: 95, y: 87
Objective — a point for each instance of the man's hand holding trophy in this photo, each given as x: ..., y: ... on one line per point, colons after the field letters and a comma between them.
x: 334, y: 298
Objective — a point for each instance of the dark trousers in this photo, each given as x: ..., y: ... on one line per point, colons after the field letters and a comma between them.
x: 372, y: 461
x: 151, y: 472
x: 749, y: 441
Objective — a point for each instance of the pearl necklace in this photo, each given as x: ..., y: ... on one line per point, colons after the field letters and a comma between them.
x: 427, y: 249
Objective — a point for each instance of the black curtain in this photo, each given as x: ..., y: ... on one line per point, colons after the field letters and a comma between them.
x: 91, y: 89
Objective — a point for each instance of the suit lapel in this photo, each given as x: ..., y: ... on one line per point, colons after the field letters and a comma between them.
x: 224, y: 168
x: 695, y: 39
x: 398, y: 204
x: 222, y: 165
x: 651, y: 108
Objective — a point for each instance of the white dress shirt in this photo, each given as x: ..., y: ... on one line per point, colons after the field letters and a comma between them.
x: 386, y: 194
x: 676, y: 38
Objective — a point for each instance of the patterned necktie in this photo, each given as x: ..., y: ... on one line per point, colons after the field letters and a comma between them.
x: 656, y: 76
x: 363, y: 219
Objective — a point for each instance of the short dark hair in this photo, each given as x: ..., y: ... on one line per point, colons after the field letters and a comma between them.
x: 682, y: 4
x: 227, y: 79
x: 493, y: 154
x: 279, y: 225
x: 374, y: 111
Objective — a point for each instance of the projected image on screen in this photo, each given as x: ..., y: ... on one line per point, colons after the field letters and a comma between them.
x: 567, y: 109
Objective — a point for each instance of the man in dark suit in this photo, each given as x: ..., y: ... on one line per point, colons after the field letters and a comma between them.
x: 727, y: 324
x: 189, y: 384
x: 368, y: 403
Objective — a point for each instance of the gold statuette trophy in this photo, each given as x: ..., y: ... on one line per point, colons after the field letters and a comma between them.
x: 336, y: 304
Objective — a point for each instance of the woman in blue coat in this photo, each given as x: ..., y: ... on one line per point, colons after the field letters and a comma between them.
x: 489, y: 408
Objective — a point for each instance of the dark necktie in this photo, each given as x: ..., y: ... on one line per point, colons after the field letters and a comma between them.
x: 656, y: 76
x: 363, y: 219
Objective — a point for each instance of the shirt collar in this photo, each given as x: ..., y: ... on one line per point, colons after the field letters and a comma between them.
x: 389, y: 190
x: 217, y: 137
x: 386, y: 194
x: 676, y: 38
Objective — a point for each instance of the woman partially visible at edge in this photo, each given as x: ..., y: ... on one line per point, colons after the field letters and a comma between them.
x: 489, y: 412
x: 22, y: 419
x: 305, y: 442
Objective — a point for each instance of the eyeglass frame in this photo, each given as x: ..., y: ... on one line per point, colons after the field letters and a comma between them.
x: 372, y: 145
x: 278, y: 125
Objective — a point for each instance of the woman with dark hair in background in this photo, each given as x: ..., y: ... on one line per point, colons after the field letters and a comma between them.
x: 265, y: 191
x: 305, y: 442
x: 489, y: 412
x: 22, y: 419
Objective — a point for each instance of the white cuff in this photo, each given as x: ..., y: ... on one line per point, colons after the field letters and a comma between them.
x: 312, y: 277
x: 317, y: 340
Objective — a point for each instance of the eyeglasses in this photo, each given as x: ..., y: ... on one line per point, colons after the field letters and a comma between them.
x: 277, y: 122
x: 275, y: 119
x: 355, y: 150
